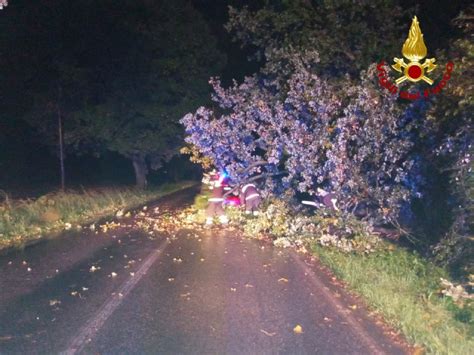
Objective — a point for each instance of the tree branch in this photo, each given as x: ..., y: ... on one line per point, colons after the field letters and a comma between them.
x: 252, y: 179
x: 253, y: 165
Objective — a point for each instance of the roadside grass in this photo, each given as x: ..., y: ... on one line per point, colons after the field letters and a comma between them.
x: 404, y: 289
x: 22, y: 221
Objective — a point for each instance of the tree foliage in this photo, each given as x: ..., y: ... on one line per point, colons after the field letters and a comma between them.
x: 348, y: 35
x: 314, y: 117
x: 343, y: 137
x: 309, y: 119
x: 452, y: 117
x: 171, y: 55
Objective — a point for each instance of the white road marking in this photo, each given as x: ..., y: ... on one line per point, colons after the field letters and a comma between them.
x: 94, y: 324
x: 356, y: 326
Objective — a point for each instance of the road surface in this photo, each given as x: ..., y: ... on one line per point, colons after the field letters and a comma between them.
x: 129, y: 291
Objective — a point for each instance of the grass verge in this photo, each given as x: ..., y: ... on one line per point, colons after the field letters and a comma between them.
x: 22, y: 221
x: 404, y: 288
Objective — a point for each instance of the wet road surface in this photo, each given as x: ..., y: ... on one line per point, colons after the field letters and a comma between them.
x: 194, y: 291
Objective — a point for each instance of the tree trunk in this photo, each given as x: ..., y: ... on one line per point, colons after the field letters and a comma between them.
x: 141, y: 170
x: 61, y: 143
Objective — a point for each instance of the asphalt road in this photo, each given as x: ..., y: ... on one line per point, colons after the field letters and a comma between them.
x: 199, y: 292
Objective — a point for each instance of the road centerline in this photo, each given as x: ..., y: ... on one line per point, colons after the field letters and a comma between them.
x: 95, y: 323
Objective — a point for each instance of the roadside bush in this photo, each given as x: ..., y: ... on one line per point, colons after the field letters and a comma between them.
x: 451, y: 115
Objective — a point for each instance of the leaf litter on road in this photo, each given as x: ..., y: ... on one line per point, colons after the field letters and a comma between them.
x: 267, y: 333
x: 298, y: 329
x: 53, y: 303
x: 94, y: 268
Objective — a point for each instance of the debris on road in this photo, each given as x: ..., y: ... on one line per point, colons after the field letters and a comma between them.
x: 94, y: 268
x: 53, y: 303
x: 267, y: 333
x: 298, y: 329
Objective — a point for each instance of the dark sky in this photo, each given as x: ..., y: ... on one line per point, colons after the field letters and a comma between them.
x: 215, y: 12
x: 435, y: 20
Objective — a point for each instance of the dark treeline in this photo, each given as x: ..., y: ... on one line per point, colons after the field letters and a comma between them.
x: 116, y: 75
